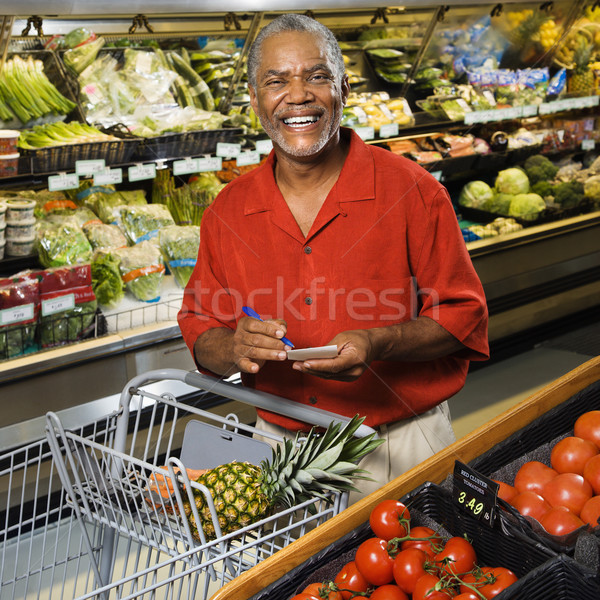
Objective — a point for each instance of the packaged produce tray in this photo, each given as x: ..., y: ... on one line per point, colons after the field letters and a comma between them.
x: 63, y: 158
x: 432, y: 506
x: 189, y: 143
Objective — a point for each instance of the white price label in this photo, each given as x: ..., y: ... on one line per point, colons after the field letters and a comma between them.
x: 436, y: 174
x: 365, y: 133
x: 63, y: 181
x: 227, y: 150
x: 109, y: 177
x: 588, y: 144
x: 89, y: 167
x: 185, y: 167
x: 58, y: 304
x: 388, y: 130
x: 264, y: 146
x: 209, y: 163
x: 17, y: 314
x: 248, y: 158
x: 531, y: 110
x: 480, y: 116
x: 141, y: 172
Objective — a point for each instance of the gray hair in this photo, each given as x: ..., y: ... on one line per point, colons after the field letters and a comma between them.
x: 295, y: 22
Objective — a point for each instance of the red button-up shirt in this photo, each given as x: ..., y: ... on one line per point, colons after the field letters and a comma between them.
x: 384, y: 248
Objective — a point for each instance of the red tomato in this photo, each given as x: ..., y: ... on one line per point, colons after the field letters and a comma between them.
x: 304, y: 596
x: 590, y: 513
x: 388, y: 592
x: 569, y: 490
x: 530, y: 504
x: 390, y: 519
x: 570, y: 454
x: 374, y: 562
x: 457, y: 556
x: 466, y: 596
x: 591, y: 473
x: 489, y: 581
x: 424, y: 538
x: 506, y: 491
x: 350, y: 580
x: 587, y: 426
x: 322, y: 591
x: 430, y: 587
x: 560, y: 521
x: 532, y: 476
x: 409, y: 566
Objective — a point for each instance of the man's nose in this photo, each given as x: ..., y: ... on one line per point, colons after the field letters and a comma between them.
x: 299, y: 91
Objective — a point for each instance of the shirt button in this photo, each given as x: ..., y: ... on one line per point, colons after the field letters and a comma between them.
x: 307, y: 250
x: 308, y: 300
x: 312, y: 400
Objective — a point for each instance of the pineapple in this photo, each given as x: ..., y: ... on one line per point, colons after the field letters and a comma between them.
x: 244, y: 493
x: 581, y: 80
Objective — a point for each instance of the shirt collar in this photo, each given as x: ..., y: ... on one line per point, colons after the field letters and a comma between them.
x: 349, y: 187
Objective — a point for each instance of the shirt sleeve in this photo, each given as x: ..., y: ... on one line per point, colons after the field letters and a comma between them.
x: 448, y: 287
x: 207, y: 303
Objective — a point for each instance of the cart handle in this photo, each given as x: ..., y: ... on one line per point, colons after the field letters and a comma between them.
x: 258, y: 399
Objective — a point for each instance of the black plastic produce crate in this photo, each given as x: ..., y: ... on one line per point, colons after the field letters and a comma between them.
x: 432, y: 506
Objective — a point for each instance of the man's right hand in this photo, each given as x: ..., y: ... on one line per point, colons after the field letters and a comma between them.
x: 255, y: 342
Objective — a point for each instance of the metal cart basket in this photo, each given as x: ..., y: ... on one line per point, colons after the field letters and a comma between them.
x: 131, y: 487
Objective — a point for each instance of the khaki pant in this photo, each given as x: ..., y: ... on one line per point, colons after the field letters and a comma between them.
x: 407, y: 443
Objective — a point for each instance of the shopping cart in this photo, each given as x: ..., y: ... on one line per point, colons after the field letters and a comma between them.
x: 112, y: 485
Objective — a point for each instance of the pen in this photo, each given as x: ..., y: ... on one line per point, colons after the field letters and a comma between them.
x: 252, y: 313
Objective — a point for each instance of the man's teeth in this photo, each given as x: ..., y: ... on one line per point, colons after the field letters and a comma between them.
x: 301, y: 120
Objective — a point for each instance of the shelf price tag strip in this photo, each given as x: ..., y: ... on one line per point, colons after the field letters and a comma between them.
x: 108, y: 177
x: 141, y: 172
x: 474, y: 493
x: 63, y: 181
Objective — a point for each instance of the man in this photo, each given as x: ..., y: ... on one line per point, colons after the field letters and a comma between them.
x: 334, y: 241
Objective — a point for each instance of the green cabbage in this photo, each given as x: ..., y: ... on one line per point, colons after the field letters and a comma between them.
x: 500, y: 203
x: 476, y: 194
x: 512, y: 181
x: 526, y: 206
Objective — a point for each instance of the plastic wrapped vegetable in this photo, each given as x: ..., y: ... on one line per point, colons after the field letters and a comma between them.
x: 62, y: 244
x: 142, y: 223
x: 142, y: 270
x: 80, y: 215
x: 68, y: 304
x: 19, y: 305
x: 79, y: 58
x: 102, y: 235
x: 512, y: 181
x: 476, y: 194
x: 108, y: 205
x: 179, y: 245
x: 107, y: 283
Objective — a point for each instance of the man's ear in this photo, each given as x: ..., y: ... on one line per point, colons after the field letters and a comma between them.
x: 253, y: 101
x: 345, y: 89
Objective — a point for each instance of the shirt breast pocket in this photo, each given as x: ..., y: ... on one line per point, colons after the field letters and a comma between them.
x: 378, y: 302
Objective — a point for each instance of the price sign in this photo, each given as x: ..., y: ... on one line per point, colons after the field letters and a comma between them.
x: 141, y: 172
x: 227, y: 150
x: 109, y: 177
x: 264, y: 146
x: 474, y: 493
x: 388, y: 130
x: 58, y: 304
x: 63, y: 181
x: 18, y: 314
x: 185, y: 167
x: 365, y: 133
x: 248, y: 158
x: 209, y: 163
x: 84, y: 168
x: 588, y: 144
x: 437, y: 174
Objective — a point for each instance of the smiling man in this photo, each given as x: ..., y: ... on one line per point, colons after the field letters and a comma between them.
x: 335, y: 242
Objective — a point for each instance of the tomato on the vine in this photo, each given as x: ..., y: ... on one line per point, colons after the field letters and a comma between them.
x: 570, y: 454
x: 350, y: 580
x: 389, y: 519
x: 587, y: 426
x: 489, y: 581
x: 374, y: 561
x: 388, y: 592
x: 304, y: 596
x: 569, y: 490
x: 425, y: 538
x: 431, y: 587
x: 560, y: 521
x: 322, y: 591
x: 457, y: 556
x: 466, y: 596
x: 532, y: 476
x: 409, y: 566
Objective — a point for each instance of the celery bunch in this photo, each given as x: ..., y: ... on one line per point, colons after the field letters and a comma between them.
x: 27, y: 93
x: 59, y: 134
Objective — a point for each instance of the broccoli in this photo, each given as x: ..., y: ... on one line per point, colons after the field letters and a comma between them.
x: 539, y: 168
x: 568, y: 193
x: 543, y: 188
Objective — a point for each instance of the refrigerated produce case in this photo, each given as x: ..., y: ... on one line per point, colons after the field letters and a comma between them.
x: 532, y: 278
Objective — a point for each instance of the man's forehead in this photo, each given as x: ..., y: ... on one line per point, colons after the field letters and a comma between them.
x: 310, y: 48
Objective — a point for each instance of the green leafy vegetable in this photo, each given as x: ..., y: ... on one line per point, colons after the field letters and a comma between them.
x: 179, y: 245
x: 526, y: 206
x: 512, y: 181
x: 63, y: 244
x: 476, y: 194
x: 142, y: 270
x: 107, y: 283
x: 143, y: 222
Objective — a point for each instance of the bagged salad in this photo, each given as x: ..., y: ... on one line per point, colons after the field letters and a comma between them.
x: 179, y: 245
x: 63, y: 243
x: 142, y: 270
x: 142, y: 223
x: 107, y: 283
x: 68, y: 304
x: 102, y: 235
